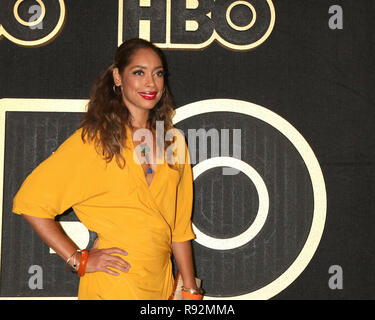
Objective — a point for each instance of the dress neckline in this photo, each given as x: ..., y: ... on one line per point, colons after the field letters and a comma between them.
x: 137, y: 163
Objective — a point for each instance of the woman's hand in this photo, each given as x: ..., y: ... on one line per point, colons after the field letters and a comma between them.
x: 101, y: 260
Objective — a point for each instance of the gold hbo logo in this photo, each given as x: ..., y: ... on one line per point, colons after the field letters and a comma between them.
x: 170, y: 24
x: 193, y: 24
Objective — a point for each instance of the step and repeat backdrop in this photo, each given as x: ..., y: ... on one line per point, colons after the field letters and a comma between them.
x: 276, y: 102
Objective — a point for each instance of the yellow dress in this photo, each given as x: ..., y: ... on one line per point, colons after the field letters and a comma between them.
x: 121, y: 208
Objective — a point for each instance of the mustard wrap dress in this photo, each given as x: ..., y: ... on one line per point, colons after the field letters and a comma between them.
x: 121, y: 208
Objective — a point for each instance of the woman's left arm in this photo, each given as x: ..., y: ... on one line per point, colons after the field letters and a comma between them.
x: 183, y: 255
x: 183, y: 232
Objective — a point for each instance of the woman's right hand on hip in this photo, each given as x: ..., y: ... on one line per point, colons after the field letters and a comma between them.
x: 105, y: 260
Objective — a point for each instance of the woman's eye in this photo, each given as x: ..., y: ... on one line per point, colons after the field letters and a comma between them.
x: 160, y: 73
x: 138, y: 72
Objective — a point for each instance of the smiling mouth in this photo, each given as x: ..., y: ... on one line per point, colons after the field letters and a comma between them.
x: 148, y: 95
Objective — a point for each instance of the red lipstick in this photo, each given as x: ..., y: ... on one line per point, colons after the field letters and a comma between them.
x: 148, y: 95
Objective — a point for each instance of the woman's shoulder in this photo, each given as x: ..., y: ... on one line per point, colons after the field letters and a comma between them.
x: 73, y: 141
x: 77, y: 144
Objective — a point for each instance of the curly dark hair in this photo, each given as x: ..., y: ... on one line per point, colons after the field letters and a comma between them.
x: 106, y: 118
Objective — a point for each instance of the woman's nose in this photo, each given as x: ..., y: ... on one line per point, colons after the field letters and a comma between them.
x: 150, y: 81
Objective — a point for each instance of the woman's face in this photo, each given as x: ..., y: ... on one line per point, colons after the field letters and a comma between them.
x: 142, y: 80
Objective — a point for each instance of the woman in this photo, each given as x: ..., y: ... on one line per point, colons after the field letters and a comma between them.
x: 106, y: 171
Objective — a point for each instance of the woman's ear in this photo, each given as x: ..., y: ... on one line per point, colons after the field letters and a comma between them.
x: 116, y: 77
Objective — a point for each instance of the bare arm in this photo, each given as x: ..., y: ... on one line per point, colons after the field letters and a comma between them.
x: 99, y: 259
x: 53, y: 235
x: 184, y: 258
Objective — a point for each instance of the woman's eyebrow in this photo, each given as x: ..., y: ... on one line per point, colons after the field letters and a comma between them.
x: 139, y: 67
x: 144, y: 67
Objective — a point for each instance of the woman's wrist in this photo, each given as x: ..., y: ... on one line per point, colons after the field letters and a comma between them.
x: 191, y: 284
x: 83, y: 262
x: 192, y: 294
x: 190, y: 290
x: 72, y: 263
x: 77, y: 262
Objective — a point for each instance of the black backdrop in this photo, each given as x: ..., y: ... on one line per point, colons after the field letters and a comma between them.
x: 316, y: 78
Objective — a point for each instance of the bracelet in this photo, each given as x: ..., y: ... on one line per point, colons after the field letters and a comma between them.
x: 83, y: 262
x: 72, y: 268
x: 193, y: 294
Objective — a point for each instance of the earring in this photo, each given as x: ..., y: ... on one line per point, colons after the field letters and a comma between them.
x: 115, y: 90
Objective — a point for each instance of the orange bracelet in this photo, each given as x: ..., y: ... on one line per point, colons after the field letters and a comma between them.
x: 192, y: 296
x: 83, y: 262
x: 192, y: 293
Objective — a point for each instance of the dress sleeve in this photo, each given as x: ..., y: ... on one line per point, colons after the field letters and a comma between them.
x: 59, y: 182
x: 183, y: 230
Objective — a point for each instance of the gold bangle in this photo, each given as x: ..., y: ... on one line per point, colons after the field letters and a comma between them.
x: 198, y: 291
x: 72, y: 268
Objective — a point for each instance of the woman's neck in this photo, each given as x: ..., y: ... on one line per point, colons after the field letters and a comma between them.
x: 137, y: 125
x: 139, y: 122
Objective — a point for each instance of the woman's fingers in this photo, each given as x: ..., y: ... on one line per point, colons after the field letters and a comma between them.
x: 119, y: 260
x: 117, y: 266
x: 115, y: 250
x: 102, y: 259
x: 111, y: 257
x: 107, y: 270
